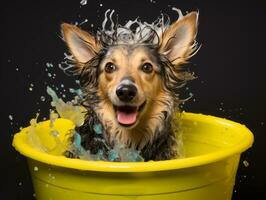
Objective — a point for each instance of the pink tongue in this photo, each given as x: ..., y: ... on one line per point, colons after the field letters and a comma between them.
x: 126, y: 118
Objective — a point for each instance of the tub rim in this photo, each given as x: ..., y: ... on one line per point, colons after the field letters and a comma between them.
x: 104, y: 166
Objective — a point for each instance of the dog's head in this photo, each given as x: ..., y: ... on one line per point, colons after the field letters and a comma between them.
x: 133, y: 75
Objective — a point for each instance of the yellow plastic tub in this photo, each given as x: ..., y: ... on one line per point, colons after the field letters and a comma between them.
x: 212, y: 147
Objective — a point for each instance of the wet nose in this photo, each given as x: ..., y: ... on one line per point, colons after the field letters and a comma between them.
x: 126, y: 92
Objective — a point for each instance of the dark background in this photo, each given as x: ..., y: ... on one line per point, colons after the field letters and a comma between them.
x: 230, y: 67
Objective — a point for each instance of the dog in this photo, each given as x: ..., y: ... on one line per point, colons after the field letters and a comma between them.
x: 131, y: 79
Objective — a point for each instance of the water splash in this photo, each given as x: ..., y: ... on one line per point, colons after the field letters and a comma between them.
x: 67, y: 65
x: 75, y: 113
x: 121, y: 153
x: 81, y: 23
x: 118, y: 153
x: 35, y: 135
x: 34, y: 140
x: 72, y: 111
x: 134, y: 31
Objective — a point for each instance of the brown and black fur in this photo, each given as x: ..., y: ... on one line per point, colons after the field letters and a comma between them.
x: 154, y: 133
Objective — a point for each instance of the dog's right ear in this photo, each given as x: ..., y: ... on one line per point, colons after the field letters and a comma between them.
x: 81, y: 44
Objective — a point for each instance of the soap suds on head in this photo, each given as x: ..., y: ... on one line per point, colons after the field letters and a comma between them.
x: 143, y: 32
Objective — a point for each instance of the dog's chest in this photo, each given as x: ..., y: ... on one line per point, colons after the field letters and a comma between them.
x: 95, y: 138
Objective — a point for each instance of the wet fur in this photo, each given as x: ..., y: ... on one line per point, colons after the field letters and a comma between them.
x: 155, y: 133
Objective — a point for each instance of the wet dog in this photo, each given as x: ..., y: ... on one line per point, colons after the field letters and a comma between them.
x: 131, y: 79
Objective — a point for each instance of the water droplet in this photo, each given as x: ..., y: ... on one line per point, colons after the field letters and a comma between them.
x: 113, y: 155
x: 83, y: 2
x: 98, y: 129
x: 10, y: 117
x: 246, y: 163
x: 49, y: 65
x: 42, y: 98
x: 30, y: 89
x: 101, y: 4
x: 36, y: 169
x: 54, y: 133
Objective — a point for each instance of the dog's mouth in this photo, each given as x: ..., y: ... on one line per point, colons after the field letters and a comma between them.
x: 128, y: 115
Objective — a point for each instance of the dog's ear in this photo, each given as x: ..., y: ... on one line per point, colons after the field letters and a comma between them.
x: 81, y: 44
x: 178, y: 40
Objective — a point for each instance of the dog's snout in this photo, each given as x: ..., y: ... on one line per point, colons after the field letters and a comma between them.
x: 126, y: 92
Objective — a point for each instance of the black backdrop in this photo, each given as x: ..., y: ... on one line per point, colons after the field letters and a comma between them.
x: 230, y: 67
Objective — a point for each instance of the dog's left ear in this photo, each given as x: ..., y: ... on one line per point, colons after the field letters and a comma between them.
x: 82, y: 45
x: 178, y: 41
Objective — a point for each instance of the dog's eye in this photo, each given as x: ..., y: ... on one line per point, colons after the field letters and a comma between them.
x: 147, y: 68
x: 110, y: 67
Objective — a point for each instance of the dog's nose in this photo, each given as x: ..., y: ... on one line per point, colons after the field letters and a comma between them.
x: 126, y: 92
